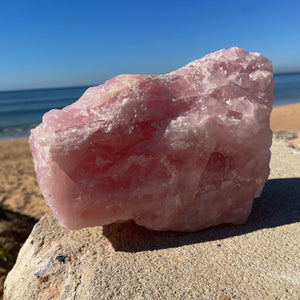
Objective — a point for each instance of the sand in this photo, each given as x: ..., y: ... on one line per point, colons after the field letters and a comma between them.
x: 20, y: 193
x: 287, y: 118
x: 18, y: 187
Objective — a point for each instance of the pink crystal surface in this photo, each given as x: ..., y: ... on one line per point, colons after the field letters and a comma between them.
x: 181, y: 151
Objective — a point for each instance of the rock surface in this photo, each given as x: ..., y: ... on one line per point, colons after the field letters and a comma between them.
x: 181, y: 151
x: 258, y: 260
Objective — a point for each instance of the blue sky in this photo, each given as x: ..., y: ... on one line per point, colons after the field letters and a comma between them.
x: 69, y: 43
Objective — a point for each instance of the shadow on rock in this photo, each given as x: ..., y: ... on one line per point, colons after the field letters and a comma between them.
x: 278, y: 205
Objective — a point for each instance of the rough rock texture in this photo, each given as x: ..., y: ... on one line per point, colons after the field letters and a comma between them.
x: 181, y: 151
x: 258, y: 260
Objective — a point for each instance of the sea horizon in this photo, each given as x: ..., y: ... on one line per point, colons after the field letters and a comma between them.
x: 91, y: 84
x: 21, y: 110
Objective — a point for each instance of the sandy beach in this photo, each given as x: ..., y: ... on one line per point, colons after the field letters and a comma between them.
x: 18, y: 188
x: 287, y: 118
x: 22, y: 200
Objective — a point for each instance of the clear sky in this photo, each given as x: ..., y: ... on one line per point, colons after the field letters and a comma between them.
x: 68, y: 43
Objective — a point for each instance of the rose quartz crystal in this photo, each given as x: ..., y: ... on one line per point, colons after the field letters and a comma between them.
x: 181, y: 151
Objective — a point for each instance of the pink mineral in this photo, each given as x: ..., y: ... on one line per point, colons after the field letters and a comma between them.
x: 181, y: 151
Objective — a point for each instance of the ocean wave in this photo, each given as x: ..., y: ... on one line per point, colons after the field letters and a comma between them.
x: 31, y: 108
x: 16, y: 131
x: 31, y: 100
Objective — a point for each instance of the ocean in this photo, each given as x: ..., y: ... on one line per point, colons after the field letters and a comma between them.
x: 23, y: 109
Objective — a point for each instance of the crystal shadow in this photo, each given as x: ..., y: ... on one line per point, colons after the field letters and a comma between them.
x: 278, y: 205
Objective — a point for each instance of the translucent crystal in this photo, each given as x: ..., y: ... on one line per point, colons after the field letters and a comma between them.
x: 181, y: 151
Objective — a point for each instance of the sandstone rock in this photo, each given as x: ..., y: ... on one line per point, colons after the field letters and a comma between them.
x: 181, y: 151
x: 258, y: 260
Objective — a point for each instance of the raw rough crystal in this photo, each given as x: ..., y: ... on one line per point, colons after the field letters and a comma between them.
x: 181, y: 151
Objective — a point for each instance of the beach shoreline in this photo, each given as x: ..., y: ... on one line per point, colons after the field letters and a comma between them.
x: 286, y: 118
x: 278, y: 123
